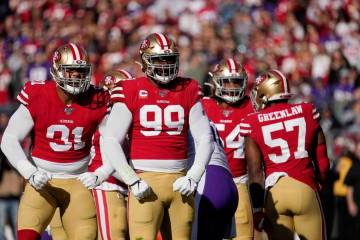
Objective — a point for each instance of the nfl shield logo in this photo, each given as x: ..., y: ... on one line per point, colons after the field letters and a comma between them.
x: 68, y: 110
x: 163, y: 92
x: 226, y: 113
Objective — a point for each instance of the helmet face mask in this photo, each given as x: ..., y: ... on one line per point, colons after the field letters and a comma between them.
x: 71, y: 69
x: 230, y: 80
x: 160, y: 58
x: 259, y: 102
x: 231, y: 89
x: 270, y: 86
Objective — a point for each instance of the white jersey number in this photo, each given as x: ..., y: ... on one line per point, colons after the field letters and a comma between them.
x: 65, y: 132
x: 233, y: 140
x: 281, y: 143
x: 152, y: 116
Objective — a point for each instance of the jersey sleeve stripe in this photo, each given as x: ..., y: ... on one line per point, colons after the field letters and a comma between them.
x: 116, y: 92
x: 117, y: 89
x: 246, y: 125
x: 315, y: 112
x: 22, y: 100
x: 316, y: 116
x: 24, y: 94
x: 117, y: 96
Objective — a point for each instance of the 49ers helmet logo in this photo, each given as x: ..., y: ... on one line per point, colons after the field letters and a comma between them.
x: 259, y: 79
x: 109, y: 80
x: 80, y: 61
x: 145, y: 44
x: 56, y: 56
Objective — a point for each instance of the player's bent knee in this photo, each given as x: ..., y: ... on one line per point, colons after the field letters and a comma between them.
x: 30, y: 222
x: 86, y: 233
x: 58, y: 233
x: 119, y: 224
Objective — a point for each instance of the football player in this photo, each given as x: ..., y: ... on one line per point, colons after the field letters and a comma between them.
x: 286, y: 142
x: 110, y: 195
x: 157, y: 111
x: 63, y: 115
x: 216, y: 197
x: 225, y: 108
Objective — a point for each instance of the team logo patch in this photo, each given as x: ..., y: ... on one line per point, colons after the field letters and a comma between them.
x: 145, y: 44
x: 68, y: 110
x: 56, y: 56
x: 163, y: 92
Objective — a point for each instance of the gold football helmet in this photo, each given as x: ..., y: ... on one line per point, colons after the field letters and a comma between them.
x: 270, y: 86
x: 114, y: 76
x: 68, y: 59
x: 160, y: 58
x: 229, y: 78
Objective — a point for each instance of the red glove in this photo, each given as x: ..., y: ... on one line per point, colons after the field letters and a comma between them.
x: 258, y: 220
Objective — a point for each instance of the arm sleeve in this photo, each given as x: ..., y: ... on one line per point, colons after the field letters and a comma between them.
x: 19, y: 126
x: 106, y: 167
x: 322, y: 159
x: 113, y: 135
x: 201, y: 133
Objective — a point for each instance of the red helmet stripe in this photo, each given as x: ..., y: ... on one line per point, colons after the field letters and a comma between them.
x: 126, y: 73
x: 236, y: 65
x: 75, y: 51
x: 284, y: 81
x: 81, y: 52
x: 232, y: 65
x: 163, y: 40
x: 167, y: 41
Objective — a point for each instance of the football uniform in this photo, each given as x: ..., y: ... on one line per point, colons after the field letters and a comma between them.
x: 226, y: 121
x: 109, y: 199
x: 158, y: 152
x: 216, y: 197
x: 160, y: 123
x: 62, y: 134
x: 285, y: 135
x: 62, y: 137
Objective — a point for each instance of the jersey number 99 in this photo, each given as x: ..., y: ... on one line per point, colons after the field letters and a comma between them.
x: 155, y: 118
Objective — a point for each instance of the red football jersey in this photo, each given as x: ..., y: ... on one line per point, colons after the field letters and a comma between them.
x: 285, y: 133
x: 63, y: 133
x: 160, y: 116
x: 227, y: 121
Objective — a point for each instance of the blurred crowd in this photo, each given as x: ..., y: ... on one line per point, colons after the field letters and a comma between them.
x: 316, y: 43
